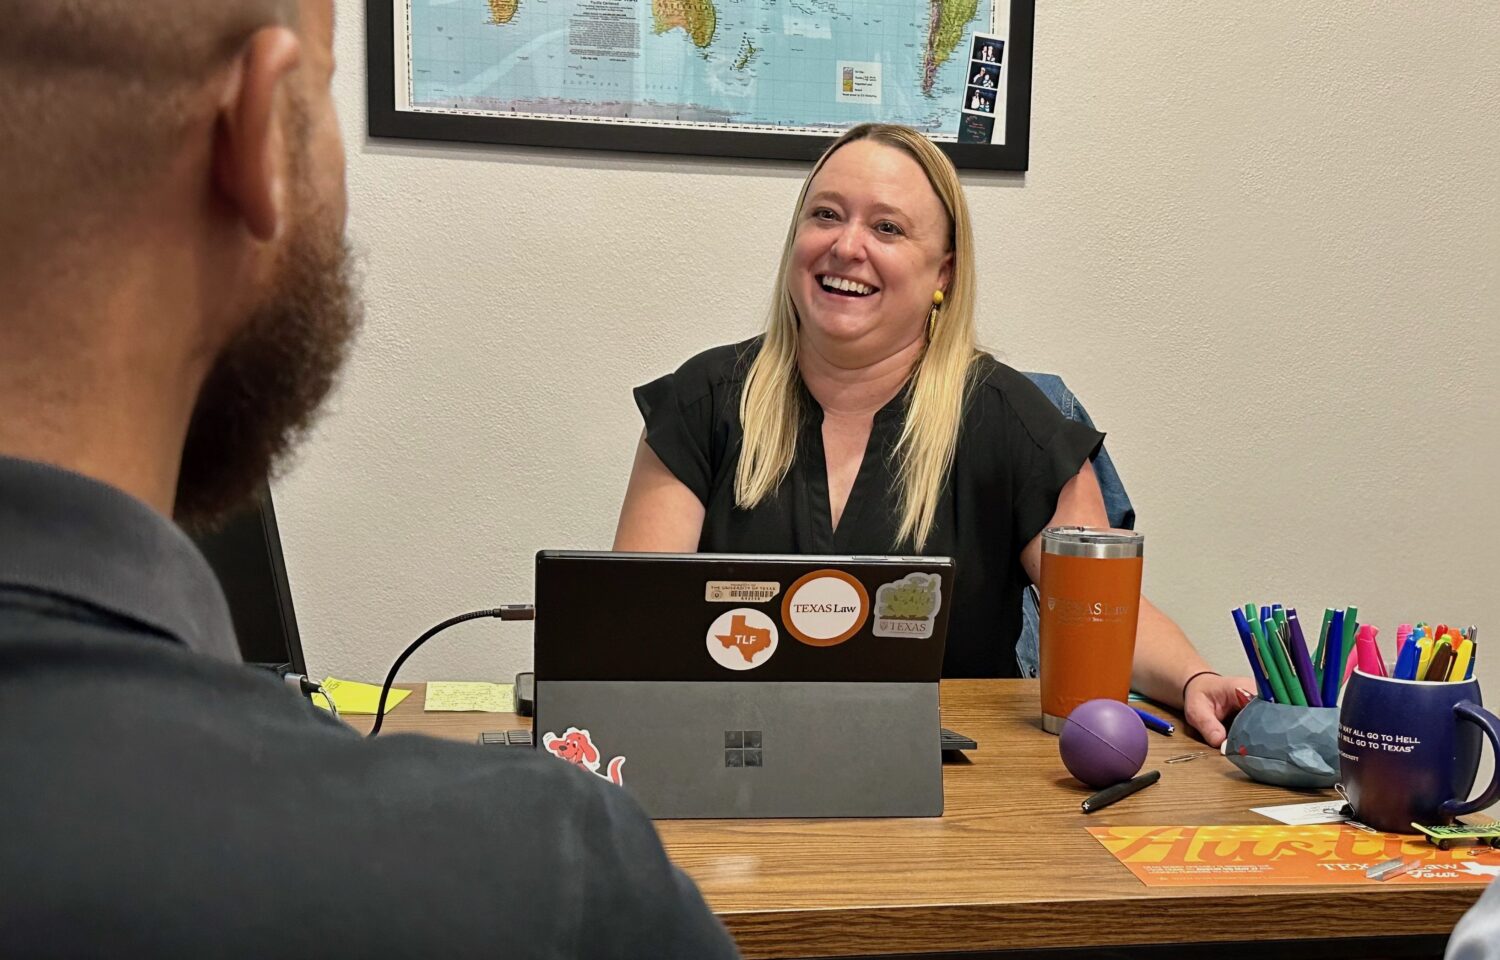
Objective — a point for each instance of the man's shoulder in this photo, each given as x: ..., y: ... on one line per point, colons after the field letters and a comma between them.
x: 258, y: 796
x: 182, y: 717
x: 522, y: 773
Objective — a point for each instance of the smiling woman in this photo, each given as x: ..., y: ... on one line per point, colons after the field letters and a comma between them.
x: 865, y: 420
x: 867, y: 268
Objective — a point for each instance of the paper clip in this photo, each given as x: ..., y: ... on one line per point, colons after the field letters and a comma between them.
x: 1392, y: 868
x: 1184, y: 758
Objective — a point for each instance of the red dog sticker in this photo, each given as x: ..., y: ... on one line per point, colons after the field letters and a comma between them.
x: 577, y: 747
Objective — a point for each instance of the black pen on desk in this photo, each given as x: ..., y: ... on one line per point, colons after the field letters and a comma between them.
x: 1120, y: 791
x: 1153, y: 722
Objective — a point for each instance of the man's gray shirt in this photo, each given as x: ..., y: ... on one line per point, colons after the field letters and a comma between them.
x: 1477, y: 936
x: 162, y: 799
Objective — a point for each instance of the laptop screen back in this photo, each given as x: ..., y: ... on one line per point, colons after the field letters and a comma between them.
x: 657, y: 670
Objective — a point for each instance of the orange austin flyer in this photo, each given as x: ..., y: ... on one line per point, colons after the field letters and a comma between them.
x: 1321, y: 854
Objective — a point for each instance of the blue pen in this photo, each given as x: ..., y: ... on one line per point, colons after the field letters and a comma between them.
x: 1406, y: 662
x: 1302, y: 660
x: 1257, y: 669
x: 1153, y: 722
x: 1333, y: 660
x: 1416, y: 653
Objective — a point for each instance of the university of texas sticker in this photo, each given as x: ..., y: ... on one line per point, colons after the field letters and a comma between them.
x: 740, y: 591
x: 908, y: 607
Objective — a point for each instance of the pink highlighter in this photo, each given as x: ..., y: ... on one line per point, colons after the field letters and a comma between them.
x: 1368, y: 651
x: 1380, y: 657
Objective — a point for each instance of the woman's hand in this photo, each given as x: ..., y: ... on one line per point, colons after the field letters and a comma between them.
x: 1211, y: 701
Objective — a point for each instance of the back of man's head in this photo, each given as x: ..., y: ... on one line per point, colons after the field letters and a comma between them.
x: 171, y: 208
x: 95, y: 95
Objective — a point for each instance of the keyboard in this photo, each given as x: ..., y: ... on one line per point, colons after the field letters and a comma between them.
x: 505, y: 738
x: 957, y: 741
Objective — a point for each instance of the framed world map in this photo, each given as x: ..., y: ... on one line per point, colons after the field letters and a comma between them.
x: 775, y: 79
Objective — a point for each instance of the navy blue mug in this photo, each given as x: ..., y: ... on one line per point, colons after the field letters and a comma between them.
x: 1409, y: 750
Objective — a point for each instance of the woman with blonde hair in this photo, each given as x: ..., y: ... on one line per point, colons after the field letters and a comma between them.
x: 866, y: 420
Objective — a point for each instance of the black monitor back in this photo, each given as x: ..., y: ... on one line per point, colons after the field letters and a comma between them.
x: 245, y: 553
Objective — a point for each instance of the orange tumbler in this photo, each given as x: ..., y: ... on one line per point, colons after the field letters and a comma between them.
x: 1090, y: 601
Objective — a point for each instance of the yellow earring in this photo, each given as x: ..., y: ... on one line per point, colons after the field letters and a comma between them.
x: 937, y: 301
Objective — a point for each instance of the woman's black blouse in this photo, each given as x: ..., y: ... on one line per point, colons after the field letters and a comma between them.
x: 1015, y: 452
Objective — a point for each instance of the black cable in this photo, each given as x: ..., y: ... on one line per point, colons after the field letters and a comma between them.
x: 510, y: 611
x: 310, y: 688
x: 302, y: 683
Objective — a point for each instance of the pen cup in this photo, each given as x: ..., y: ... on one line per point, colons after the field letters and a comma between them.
x: 1409, y: 750
x: 1090, y: 600
x: 1285, y: 745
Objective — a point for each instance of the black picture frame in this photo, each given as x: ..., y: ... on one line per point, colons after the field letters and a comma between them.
x: 388, y: 122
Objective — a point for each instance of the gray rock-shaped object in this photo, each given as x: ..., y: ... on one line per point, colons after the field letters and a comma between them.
x: 1285, y: 745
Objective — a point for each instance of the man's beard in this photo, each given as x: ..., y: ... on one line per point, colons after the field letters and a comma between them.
x: 263, y: 393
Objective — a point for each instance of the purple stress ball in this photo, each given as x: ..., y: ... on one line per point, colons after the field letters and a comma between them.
x: 1103, y: 742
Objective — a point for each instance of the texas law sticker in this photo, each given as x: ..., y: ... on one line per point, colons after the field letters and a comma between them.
x: 825, y: 608
x: 742, y: 639
x: 908, y: 607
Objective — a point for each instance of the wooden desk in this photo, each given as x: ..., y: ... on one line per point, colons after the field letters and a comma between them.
x: 1009, y: 867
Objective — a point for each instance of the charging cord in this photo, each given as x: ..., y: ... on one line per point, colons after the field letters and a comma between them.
x: 309, y: 688
x: 509, y: 611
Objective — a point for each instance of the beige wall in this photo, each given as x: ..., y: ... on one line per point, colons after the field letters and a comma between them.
x: 1259, y: 239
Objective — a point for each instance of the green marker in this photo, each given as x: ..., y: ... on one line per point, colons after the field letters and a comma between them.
x: 1322, y: 645
x: 1273, y: 671
x: 1284, y: 664
x: 1351, y: 626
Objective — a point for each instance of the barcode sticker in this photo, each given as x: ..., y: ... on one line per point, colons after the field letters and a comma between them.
x: 740, y: 591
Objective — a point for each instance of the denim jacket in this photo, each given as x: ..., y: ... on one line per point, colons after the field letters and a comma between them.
x: 1116, y: 506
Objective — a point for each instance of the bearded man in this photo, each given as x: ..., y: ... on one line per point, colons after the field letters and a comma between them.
x: 174, y: 304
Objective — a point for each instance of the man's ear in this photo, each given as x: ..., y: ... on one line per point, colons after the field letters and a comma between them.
x: 250, y: 153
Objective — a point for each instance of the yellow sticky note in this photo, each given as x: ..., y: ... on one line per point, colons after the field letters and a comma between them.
x: 351, y: 696
x: 481, y: 697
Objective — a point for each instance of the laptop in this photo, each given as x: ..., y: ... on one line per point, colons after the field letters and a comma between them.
x: 736, y: 685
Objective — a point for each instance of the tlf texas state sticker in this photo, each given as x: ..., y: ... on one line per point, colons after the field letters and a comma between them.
x: 577, y: 747
x: 742, y: 638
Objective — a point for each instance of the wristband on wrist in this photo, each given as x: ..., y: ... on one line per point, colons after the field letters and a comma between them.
x: 1189, y: 681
